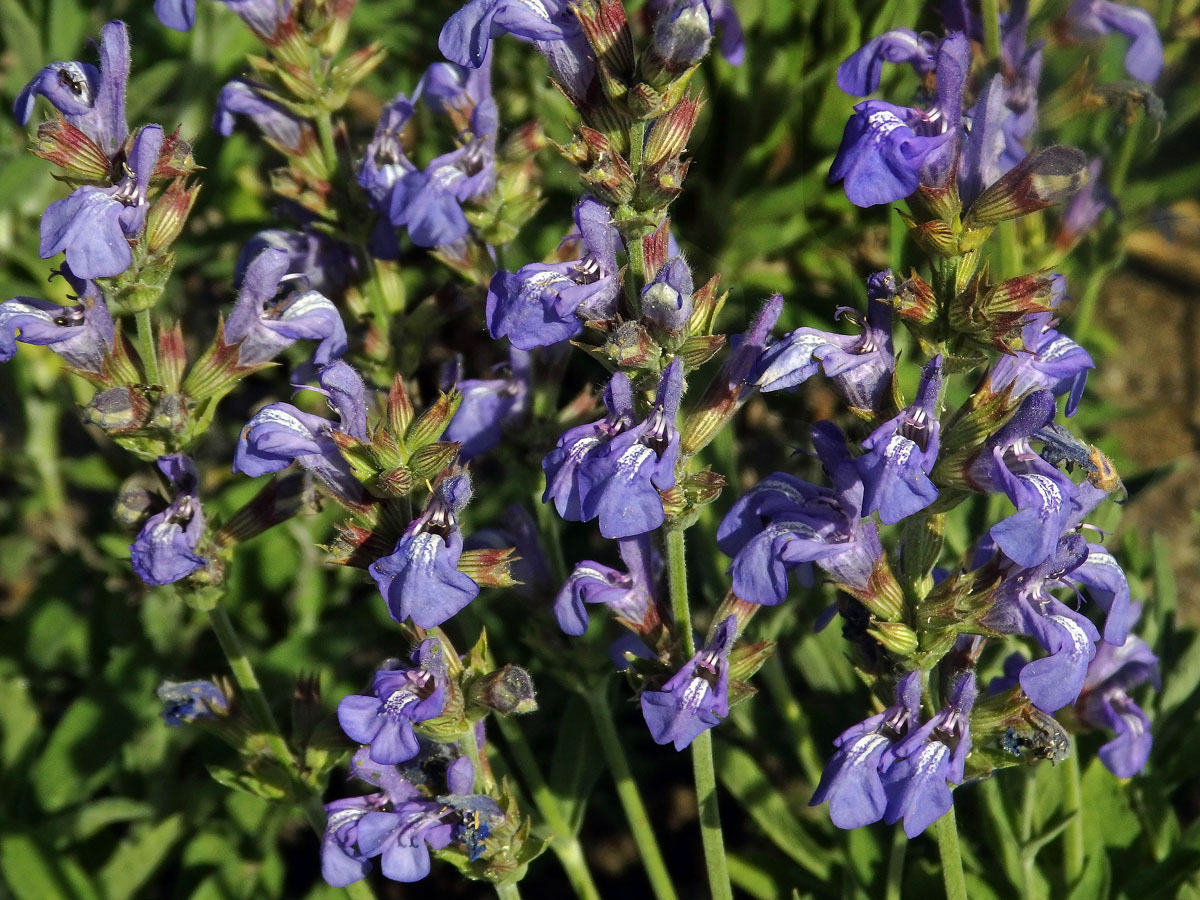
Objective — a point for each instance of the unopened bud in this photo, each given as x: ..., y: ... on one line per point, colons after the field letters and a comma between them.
x: 895, y: 637
x: 70, y: 149
x: 399, y: 408
x: 168, y: 214
x: 489, y: 567
x: 682, y: 35
x: 669, y: 135
x: 1041, y: 179
x: 355, y: 67
x: 432, y: 459
x: 434, y: 422
x: 667, y: 301
x: 118, y: 410
x: 661, y: 184
x: 507, y: 690
x: 629, y: 345
x: 396, y: 482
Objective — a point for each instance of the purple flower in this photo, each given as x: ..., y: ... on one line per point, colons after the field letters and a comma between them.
x: 91, y: 99
x: 697, y: 696
x: 243, y: 98
x: 403, y: 837
x: 859, y: 74
x: 320, y: 261
x: 860, y: 365
x: 187, y: 701
x: 630, y: 595
x: 263, y: 16
x: 888, y: 150
x: 787, y: 524
x: 1041, y: 493
x: 92, y: 224
x: 490, y: 404
x: 280, y: 434
x: 266, y: 326
x: 621, y: 480
x: 882, y: 152
x: 530, y: 568
x: 429, y: 202
x: 400, y: 699
x: 683, y: 31
x: 384, y: 163
x: 1050, y: 361
x: 721, y: 14
x: 420, y: 578
x: 562, y: 464
x: 343, y: 861
x: 900, y: 454
x: 82, y: 334
x: 667, y: 299
x: 1105, y: 703
x: 1024, y: 606
x: 1106, y: 585
x: 542, y: 304
x: 1096, y: 18
x: 549, y: 24
x: 928, y: 760
x: 165, y: 549
x: 852, y: 781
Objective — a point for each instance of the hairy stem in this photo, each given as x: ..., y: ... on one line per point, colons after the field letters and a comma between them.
x: 631, y: 798
x: 702, y: 754
x: 952, y: 870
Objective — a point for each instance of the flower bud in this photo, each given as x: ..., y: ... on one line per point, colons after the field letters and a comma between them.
x: 507, y: 690
x: 1041, y: 179
x: 430, y: 426
x: 895, y: 637
x: 629, y: 345
x: 606, y: 29
x: 667, y: 301
x: 430, y: 460
x: 119, y: 410
x: 682, y: 35
x: 669, y: 135
x: 70, y: 149
x: 488, y: 567
x: 397, y: 482
x: 168, y: 214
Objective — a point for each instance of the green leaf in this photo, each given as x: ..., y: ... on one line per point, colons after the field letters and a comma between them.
x: 19, y: 720
x: 576, y: 763
x: 33, y: 873
x: 138, y: 856
x: 250, y: 784
x: 1096, y: 881
x: 743, y: 778
x: 70, y: 762
x: 22, y: 39
x: 89, y: 819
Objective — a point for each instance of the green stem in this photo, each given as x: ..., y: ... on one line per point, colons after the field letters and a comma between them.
x: 1074, y: 847
x: 895, y: 869
x: 637, y: 144
x: 146, y: 348
x: 324, y: 123
x: 565, y: 845
x: 952, y: 870
x: 507, y: 892
x: 251, y: 692
x: 990, y: 9
x: 702, y: 756
x: 631, y: 798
